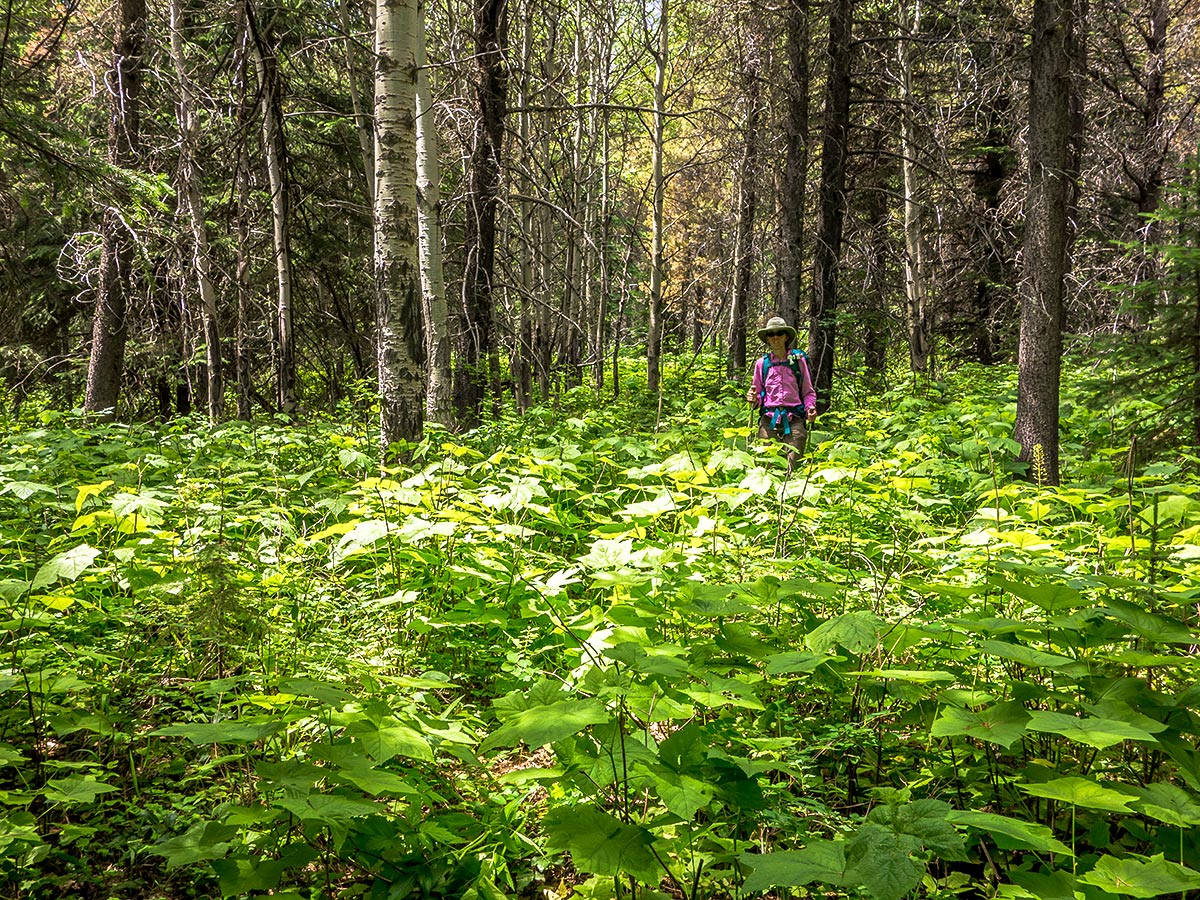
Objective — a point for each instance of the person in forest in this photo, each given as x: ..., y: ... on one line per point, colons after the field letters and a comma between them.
x: 782, y: 389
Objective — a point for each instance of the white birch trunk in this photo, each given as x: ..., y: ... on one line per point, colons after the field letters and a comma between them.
x: 439, y: 401
x: 399, y: 335
x: 916, y: 282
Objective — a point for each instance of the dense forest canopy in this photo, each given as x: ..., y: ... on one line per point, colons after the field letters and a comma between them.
x: 608, y: 176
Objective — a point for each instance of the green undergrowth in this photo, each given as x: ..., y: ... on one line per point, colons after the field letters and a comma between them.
x: 601, y: 651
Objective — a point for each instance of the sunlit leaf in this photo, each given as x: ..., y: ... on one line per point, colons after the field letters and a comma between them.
x: 1001, y: 724
x: 66, y: 566
x: 1020, y: 833
x: 541, y: 725
x: 1080, y: 792
x: 601, y: 844
x: 1090, y: 730
x: 1136, y: 878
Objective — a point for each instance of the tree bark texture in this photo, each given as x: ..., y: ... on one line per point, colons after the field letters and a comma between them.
x: 795, y: 170
x: 831, y: 202
x: 747, y: 207
x: 190, y: 192
x: 399, y: 336
x: 275, y: 156
x: 916, y: 281
x: 658, y: 257
x: 1045, y: 245
x: 483, y: 191
x: 109, y: 322
x: 439, y: 400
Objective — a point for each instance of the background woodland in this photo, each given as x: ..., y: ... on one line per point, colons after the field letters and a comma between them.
x: 192, y: 216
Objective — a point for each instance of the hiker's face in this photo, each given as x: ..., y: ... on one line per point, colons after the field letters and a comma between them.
x: 777, y: 341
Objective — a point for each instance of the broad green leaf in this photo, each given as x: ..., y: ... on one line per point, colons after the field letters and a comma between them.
x: 66, y: 566
x: 882, y: 861
x: 541, y: 725
x: 1090, y: 730
x: 23, y: 490
x: 76, y: 789
x: 1150, y: 625
x: 856, y: 632
x: 1081, y: 792
x: 204, y: 840
x: 823, y: 861
x: 796, y: 661
x: 239, y: 876
x: 221, y: 732
x: 90, y: 490
x: 1169, y: 803
x: 1135, y: 878
x: 1050, y: 597
x: 329, y: 694
x: 1038, y: 659
x: 327, y: 810
x: 1001, y: 724
x: 736, y: 637
x: 656, y: 506
x: 601, y: 844
x: 912, y: 676
x: 384, y: 741
x: 927, y: 821
x: 1052, y: 885
x: 681, y: 794
x: 361, y: 537
x: 1029, y: 835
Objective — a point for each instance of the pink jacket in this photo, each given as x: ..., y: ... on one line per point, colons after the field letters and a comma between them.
x: 782, y: 389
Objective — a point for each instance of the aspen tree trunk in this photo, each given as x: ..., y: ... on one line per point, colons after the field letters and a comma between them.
x: 1045, y: 247
x: 794, y: 187
x: 478, y: 359
x: 743, y: 253
x: 439, y: 399
x: 915, y: 253
x: 398, y: 333
x: 831, y: 203
x: 275, y: 153
x: 658, y: 260
x: 109, y: 326
x: 189, y: 191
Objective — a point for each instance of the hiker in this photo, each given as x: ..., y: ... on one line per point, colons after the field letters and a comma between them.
x: 782, y: 389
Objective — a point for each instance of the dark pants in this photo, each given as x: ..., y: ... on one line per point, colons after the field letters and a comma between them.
x: 797, y: 440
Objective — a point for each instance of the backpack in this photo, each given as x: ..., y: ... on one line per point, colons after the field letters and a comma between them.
x: 792, y: 361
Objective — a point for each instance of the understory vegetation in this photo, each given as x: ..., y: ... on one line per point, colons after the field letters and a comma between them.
x: 602, y: 651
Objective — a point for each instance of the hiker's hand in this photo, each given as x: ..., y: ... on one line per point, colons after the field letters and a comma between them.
x: 750, y: 395
x: 812, y: 414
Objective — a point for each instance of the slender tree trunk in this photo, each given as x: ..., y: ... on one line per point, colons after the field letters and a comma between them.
x: 362, y: 122
x: 190, y: 195
x: 439, y: 399
x: 275, y: 154
x: 795, y: 171
x: 483, y: 190
x: 399, y: 335
x: 658, y: 260
x: 831, y: 203
x: 1040, y: 358
x: 747, y: 206
x: 916, y: 282
x: 109, y: 325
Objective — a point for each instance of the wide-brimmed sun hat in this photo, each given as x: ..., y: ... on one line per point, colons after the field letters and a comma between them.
x: 776, y: 325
